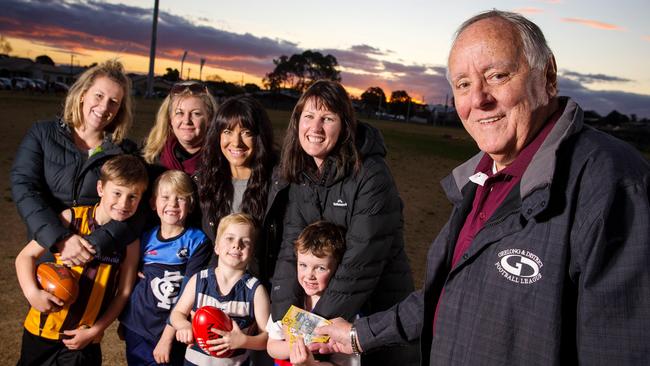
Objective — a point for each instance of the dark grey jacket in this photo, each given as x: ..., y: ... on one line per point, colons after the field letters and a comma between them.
x: 558, y: 275
x: 50, y: 174
x: 374, y: 273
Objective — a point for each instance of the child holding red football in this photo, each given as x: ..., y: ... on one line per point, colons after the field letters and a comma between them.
x: 230, y: 288
x: 171, y: 253
x: 319, y: 250
x: 70, y: 334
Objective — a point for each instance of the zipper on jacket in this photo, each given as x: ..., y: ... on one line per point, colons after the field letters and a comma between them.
x: 498, y: 220
x: 75, y: 182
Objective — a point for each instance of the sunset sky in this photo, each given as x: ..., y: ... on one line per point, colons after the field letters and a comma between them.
x: 602, y: 47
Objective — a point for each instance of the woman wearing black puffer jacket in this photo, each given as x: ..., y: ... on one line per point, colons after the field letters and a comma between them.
x: 57, y: 164
x: 337, y: 172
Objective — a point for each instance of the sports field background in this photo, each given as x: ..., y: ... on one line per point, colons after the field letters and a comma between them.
x: 419, y: 157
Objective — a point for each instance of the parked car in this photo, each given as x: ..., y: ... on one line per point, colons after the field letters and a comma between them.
x: 59, y: 87
x: 5, y: 84
x: 22, y: 83
x: 40, y: 85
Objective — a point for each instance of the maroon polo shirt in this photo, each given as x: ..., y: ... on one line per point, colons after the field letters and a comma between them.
x: 494, y: 190
x: 496, y: 187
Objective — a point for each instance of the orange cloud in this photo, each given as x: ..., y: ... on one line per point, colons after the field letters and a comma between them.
x: 528, y: 10
x: 646, y: 38
x: 594, y: 24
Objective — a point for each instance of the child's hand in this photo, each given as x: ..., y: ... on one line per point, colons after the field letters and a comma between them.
x: 79, y: 338
x: 162, y: 350
x: 184, y: 334
x: 299, y: 354
x: 229, y: 340
x: 44, y: 301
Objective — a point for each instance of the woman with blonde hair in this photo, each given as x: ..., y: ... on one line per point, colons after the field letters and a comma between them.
x: 57, y: 164
x: 175, y: 140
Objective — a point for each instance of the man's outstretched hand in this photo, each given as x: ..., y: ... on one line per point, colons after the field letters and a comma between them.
x: 339, y: 333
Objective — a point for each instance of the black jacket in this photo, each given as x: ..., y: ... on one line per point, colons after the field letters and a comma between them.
x: 268, y: 242
x: 50, y: 173
x: 374, y: 273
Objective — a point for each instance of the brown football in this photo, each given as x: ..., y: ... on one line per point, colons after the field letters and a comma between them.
x: 58, y: 280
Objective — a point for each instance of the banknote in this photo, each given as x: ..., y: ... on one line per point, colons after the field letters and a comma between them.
x: 300, y: 322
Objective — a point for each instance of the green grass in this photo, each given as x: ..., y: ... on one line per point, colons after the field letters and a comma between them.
x: 436, y: 145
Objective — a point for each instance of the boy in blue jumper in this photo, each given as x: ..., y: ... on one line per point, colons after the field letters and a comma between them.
x: 171, y: 252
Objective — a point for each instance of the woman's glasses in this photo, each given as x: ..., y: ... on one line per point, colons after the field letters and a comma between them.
x: 193, y: 87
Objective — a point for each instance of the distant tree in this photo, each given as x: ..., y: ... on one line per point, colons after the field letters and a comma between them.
x: 591, y: 117
x: 399, y: 96
x: 399, y: 102
x: 299, y: 71
x: 373, y: 98
x: 251, y: 88
x: 44, y: 60
x: 224, y: 88
x: 214, y: 77
x: 5, y: 46
x: 614, y: 118
x: 171, y: 75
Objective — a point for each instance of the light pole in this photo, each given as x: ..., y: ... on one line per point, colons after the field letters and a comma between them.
x: 152, y: 51
x: 71, y: 66
x: 182, y: 61
x: 201, y: 69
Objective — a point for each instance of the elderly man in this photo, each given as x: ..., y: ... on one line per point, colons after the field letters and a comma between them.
x: 545, y: 257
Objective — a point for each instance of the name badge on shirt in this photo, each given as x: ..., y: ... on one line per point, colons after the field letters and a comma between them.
x: 479, y: 178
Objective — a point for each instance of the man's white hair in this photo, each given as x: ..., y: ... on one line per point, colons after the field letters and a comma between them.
x: 536, y: 50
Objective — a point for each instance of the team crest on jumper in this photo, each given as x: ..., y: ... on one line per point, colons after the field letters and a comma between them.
x: 519, y: 266
x: 167, y: 288
x: 183, y: 253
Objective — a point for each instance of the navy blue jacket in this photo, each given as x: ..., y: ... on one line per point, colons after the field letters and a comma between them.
x: 558, y: 275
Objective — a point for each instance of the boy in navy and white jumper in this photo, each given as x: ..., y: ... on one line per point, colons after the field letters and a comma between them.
x: 171, y: 252
x: 230, y: 288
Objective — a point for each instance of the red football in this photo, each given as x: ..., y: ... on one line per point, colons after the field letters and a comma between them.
x: 206, y: 318
x: 58, y: 280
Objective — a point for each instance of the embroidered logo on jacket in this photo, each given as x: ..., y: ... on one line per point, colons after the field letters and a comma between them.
x: 519, y: 266
x: 340, y: 203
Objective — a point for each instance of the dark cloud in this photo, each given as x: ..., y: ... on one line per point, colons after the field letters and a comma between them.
x: 398, y: 68
x: 605, y: 101
x: 364, y: 48
x: 355, y: 59
x: 127, y: 29
x: 79, y: 26
x: 592, y: 78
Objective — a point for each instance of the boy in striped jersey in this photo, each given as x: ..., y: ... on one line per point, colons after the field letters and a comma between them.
x: 230, y: 288
x: 70, y: 335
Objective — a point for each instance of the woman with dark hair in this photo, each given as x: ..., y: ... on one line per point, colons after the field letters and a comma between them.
x: 337, y: 172
x: 57, y: 164
x: 236, y: 175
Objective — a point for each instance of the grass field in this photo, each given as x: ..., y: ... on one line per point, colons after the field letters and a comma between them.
x: 419, y: 157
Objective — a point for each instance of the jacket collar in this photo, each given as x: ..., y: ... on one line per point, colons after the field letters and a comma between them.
x: 65, y: 127
x: 539, y: 173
